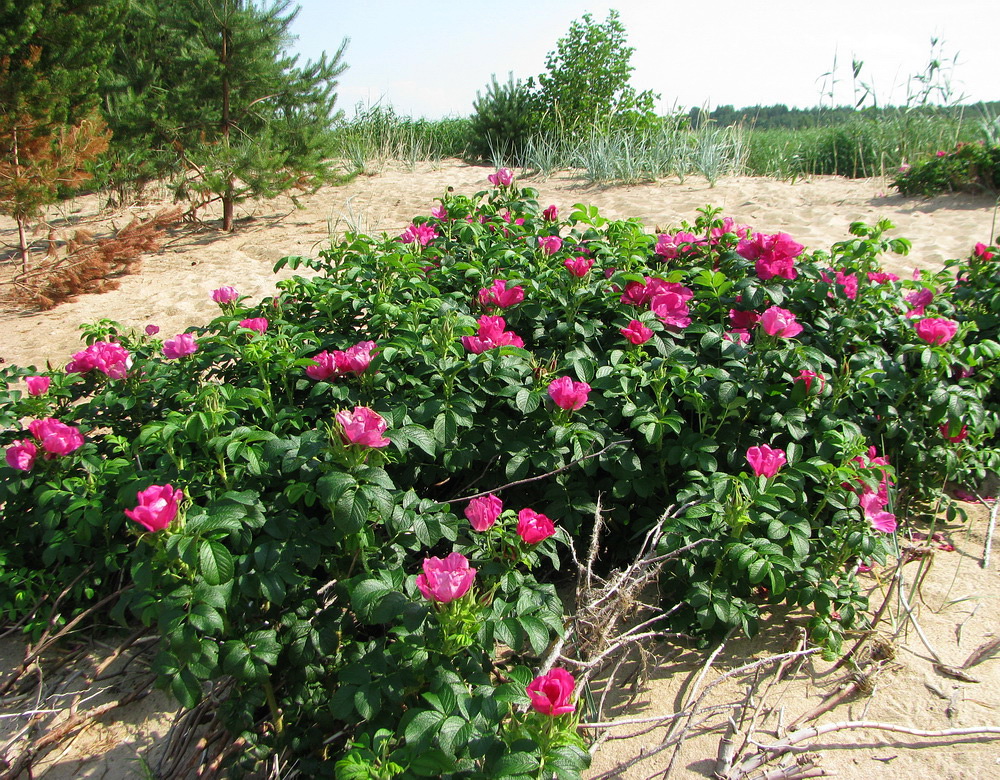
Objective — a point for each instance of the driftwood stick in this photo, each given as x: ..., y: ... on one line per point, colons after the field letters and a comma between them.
x: 987, y: 547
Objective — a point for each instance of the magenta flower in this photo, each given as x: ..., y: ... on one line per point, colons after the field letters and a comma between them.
x: 499, y: 295
x: 578, y: 266
x: 107, y: 357
x: 157, y: 507
x: 637, y: 333
x: 883, y: 521
x: 179, y: 346
x: 483, y: 511
x: 326, y: 366
x: 363, y: 427
x: 152, y: 330
x: 960, y: 436
x: 257, y: 324
x: 533, y: 527
x: 765, y: 460
x: 421, y: 234
x: 549, y: 245
x: 355, y: 360
x: 502, y: 178
x: 919, y: 300
x: 982, y: 251
x: 743, y: 320
x: 38, y: 385
x: 439, y: 212
x: 550, y: 693
x: 636, y: 294
x: 738, y: 335
x: 568, y: 394
x: 882, y: 277
x: 491, y: 335
x: 779, y: 322
x: 671, y: 309
x: 550, y: 214
x: 773, y: 255
x: 445, y: 580
x: 21, y: 454
x: 669, y: 247
x: 849, y: 282
x: 806, y: 377
x: 225, y: 294
x: 936, y: 330
x: 56, y: 438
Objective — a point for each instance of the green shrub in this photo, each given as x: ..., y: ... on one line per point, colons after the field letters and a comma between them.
x: 503, y: 122
x: 969, y: 167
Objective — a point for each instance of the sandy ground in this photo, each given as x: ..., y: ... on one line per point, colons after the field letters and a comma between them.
x: 958, y: 607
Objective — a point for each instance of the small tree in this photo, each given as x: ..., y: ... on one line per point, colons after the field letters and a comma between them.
x: 587, y: 83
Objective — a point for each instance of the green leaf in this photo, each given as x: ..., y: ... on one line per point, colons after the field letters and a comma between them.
x: 422, y: 728
x: 215, y: 562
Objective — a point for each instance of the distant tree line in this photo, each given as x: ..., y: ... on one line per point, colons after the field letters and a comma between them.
x: 781, y: 117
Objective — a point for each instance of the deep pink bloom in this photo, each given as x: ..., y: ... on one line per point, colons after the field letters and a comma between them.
x: 551, y: 214
x: 56, y: 438
x: 21, y: 454
x: 180, y: 345
x: 936, y: 330
x: 491, y: 335
x: 258, y: 324
x: 363, y: 427
x: 636, y: 293
x: 550, y: 693
x: 421, y: 234
x: 737, y: 335
x: 152, y: 330
x: 355, y: 360
x: 765, y: 460
x: 670, y: 247
x: 533, y: 527
x: 225, y: 294
x: 957, y: 437
x: 106, y: 356
x: 729, y: 225
x: 982, y: 252
x: 671, y: 309
x: 941, y: 153
x: 439, y: 212
x: 578, y: 266
x: 637, y: 333
x: 779, y: 322
x: 743, y: 320
x: 483, y: 511
x: 157, y: 507
x: 918, y: 300
x: 445, y: 580
x: 38, y: 385
x: 326, y: 366
x: 549, y: 245
x: 849, y: 282
x: 806, y: 377
x: 881, y: 277
x: 498, y: 294
x: 882, y: 521
x: 502, y: 178
x: 568, y: 394
x: 773, y: 255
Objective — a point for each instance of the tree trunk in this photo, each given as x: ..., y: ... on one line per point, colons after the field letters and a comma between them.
x: 21, y: 219
x: 227, y: 196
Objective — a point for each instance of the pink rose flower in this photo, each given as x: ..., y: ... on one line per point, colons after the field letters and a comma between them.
x: 637, y: 333
x: 502, y: 178
x: 355, y: 360
x: 499, y: 295
x: 765, y: 460
x: 918, y: 300
x: 779, y: 322
x: 56, y: 438
x: 669, y: 247
x: 482, y: 512
x: 157, y: 507
x: 439, y: 212
x: 225, y: 294
x: 179, y: 346
x: 960, y: 436
x: 550, y: 693
x: 326, y: 366
x: 257, y: 324
x: 578, y: 266
x: 982, y: 251
x: 445, y: 580
x: 107, y: 357
x: 671, y: 309
x: 363, y: 427
x: 936, y: 330
x: 773, y: 255
x: 533, y: 527
x: 491, y: 335
x: 21, y: 454
x: 38, y: 385
x: 743, y: 320
x: 550, y: 214
x: 421, y: 234
x: 549, y: 245
x: 568, y: 394
x: 806, y: 377
x: 738, y: 335
x: 152, y: 330
x: 882, y: 277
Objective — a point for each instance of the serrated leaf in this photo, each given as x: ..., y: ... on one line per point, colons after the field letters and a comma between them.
x: 215, y: 562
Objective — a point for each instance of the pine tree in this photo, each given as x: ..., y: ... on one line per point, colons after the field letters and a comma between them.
x: 52, y: 53
x: 211, y: 81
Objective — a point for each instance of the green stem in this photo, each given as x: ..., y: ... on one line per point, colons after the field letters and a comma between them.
x: 272, y: 703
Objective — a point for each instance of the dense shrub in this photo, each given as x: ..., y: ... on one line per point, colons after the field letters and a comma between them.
x: 969, y: 167
x: 503, y: 120
x: 290, y: 469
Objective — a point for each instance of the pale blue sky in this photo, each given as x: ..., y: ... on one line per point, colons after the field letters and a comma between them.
x: 429, y: 58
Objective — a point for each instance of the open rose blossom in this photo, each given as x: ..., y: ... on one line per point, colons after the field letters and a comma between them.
x: 492, y: 334
x: 550, y: 693
x: 157, y: 507
x: 363, y: 427
x: 21, y: 454
x: 549, y: 245
x: 533, y: 527
x: 960, y: 436
x: 502, y: 178
x: 499, y: 295
x: 152, y: 330
x: 936, y: 330
x: 578, y: 266
x: 257, y: 324
x: 637, y: 333
x: 38, y: 385
x: 106, y: 356
x: 445, y: 580
x: 765, y: 460
x: 483, y: 511
x: 806, y: 377
x: 568, y: 394
x: 421, y: 234
x: 779, y: 322
x: 773, y: 255
x: 56, y: 438
x: 551, y: 213
x: 918, y: 300
x: 225, y: 294
x: 180, y: 345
